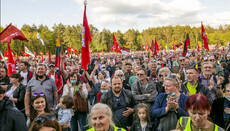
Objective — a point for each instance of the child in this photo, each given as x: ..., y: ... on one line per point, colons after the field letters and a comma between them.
x: 142, y: 122
x: 64, y: 110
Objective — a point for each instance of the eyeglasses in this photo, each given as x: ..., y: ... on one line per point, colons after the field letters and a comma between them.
x: 207, y: 68
x: 118, y: 102
x: 41, y: 119
x: 211, y: 60
x: 120, y: 75
x: 182, y: 59
x: 160, y: 75
x: 140, y: 74
x: 40, y: 94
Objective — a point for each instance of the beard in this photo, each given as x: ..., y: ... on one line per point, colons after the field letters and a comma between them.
x: 40, y: 76
x: 116, y: 91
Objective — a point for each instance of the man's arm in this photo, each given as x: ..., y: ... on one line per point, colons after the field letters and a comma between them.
x: 56, y: 98
x: 26, y: 102
x: 62, y: 56
x: 4, y: 87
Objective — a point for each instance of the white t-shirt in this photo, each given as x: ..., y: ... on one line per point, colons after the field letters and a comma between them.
x: 24, y: 82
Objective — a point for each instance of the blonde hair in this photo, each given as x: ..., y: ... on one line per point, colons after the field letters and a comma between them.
x: 107, y: 111
x: 166, y: 70
x: 207, y: 62
x: 175, y: 81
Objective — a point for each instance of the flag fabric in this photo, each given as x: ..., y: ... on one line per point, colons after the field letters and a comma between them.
x: 49, y: 55
x: 197, y: 47
x: 125, y: 50
x: 117, y: 47
x: 204, y: 37
x: 156, y: 48
x: 186, y: 44
x: 11, y: 65
x: 71, y: 50
x: 178, y: 45
x: 174, y: 46
x: 1, y: 57
x: 223, y: 49
x: 27, y: 51
x: 58, y: 51
x: 24, y: 54
x: 227, y: 47
x: 58, y: 77
x: 5, y: 53
x: 152, y: 47
x: 38, y: 36
x: 35, y: 55
x: 86, y: 39
x: 11, y: 33
x: 167, y: 50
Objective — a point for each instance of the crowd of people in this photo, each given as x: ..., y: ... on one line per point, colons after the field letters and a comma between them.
x: 118, y: 92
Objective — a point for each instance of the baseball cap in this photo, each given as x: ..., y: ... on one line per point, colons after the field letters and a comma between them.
x: 1, y: 90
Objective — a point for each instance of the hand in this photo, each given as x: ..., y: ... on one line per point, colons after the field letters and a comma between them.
x: 66, y: 125
x: 27, y: 112
x: 80, y: 86
x: 128, y: 112
x: 220, y: 80
x: 148, y: 95
x: 227, y: 110
x: 62, y: 55
x: 96, y: 66
x: 174, y: 105
x: 69, y: 84
x: 211, y: 83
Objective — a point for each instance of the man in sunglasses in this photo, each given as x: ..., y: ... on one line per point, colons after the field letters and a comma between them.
x: 144, y: 90
x: 121, y: 102
x: 181, y: 69
x: 218, y: 71
x: 11, y: 119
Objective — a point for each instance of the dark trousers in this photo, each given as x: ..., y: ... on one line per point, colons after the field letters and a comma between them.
x: 81, y: 118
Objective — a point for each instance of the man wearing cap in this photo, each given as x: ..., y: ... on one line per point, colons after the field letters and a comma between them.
x: 11, y: 119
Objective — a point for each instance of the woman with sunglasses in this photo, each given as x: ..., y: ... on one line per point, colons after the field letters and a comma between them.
x: 16, y: 91
x: 162, y: 74
x: 45, y: 122
x: 38, y: 106
x: 169, y: 106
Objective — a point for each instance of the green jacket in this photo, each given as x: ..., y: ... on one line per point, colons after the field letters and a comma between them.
x: 111, y: 129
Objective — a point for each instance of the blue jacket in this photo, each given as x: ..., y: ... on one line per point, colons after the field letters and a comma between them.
x: 158, y: 109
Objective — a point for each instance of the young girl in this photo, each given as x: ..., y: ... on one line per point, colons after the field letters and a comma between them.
x: 142, y: 122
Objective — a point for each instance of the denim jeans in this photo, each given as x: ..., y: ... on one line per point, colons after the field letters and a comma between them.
x: 81, y: 118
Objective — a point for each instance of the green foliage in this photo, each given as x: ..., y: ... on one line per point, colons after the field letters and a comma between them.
x: 71, y: 36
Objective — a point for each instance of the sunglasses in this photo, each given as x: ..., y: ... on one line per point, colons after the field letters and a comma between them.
x: 211, y: 60
x: 182, y: 59
x: 120, y: 75
x: 160, y: 75
x: 41, y: 119
x: 140, y: 74
x: 40, y: 94
x: 172, y: 76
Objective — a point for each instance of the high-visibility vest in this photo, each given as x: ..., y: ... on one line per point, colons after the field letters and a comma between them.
x: 185, y: 123
x: 115, y: 129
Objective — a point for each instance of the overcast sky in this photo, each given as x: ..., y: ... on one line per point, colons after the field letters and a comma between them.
x: 116, y: 14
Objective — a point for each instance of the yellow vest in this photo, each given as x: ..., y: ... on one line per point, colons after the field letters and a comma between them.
x: 115, y: 129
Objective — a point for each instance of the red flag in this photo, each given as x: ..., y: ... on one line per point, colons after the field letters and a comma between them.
x: 156, y: 48
x: 174, y: 47
x: 197, y: 47
x: 11, y: 65
x: 178, y: 45
x: 204, y: 37
x: 75, y: 51
x: 152, y: 46
x: 69, y: 49
x: 41, y: 55
x: 5, y: 53
x: 117, y: 47
x: 11, y: 33
x: 86, y: 39
x: 223, y: 49
x: 19, y: 60
x: 35, y: 55
x: 49, y: 55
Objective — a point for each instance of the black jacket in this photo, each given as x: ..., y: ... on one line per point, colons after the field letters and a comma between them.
x: 200, y: 89
x: 136, y: 126
x: 217, y: 112
x: 19, y: 94
x: 107, y: 99
x: 11, y: 119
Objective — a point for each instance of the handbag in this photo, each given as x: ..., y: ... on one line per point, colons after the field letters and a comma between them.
x: 168, y: 122
x: 80, y: 104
